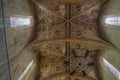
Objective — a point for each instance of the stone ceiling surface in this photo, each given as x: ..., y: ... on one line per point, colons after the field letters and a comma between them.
x: 67, y: 39
x: 70, y: 1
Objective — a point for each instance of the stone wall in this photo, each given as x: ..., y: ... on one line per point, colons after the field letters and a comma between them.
x: 19, y: 28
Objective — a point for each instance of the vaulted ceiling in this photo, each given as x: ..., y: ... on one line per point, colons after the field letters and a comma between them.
x: 70, y: 1
x: 67, y: 39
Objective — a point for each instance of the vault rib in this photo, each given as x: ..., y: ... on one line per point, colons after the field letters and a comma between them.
x: 98, y: 43
x: 35, y: 2
x: 85, y: 31
x: 47, y: 45
x: 55, y: 76
x: 52, y: 30
x: 68, y: 1
x: 68, y: 34
x: 82, y: 29
x: 98, y: 4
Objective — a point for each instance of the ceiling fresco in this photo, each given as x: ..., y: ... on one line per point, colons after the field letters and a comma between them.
x: 67, y: 39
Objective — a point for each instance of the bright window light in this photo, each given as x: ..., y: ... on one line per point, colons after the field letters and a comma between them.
x: 26, y: 70
x: 111, y: 20
x: 111, y: 68
x: 17, y: 21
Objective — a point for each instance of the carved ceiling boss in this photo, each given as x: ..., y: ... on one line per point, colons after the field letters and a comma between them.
x: 67, y: 39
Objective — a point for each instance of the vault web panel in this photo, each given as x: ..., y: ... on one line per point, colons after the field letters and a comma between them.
x: 67, y: 40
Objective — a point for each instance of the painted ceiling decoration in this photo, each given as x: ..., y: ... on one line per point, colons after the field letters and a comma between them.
x: 67, y: 39
x: 69, y: 1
